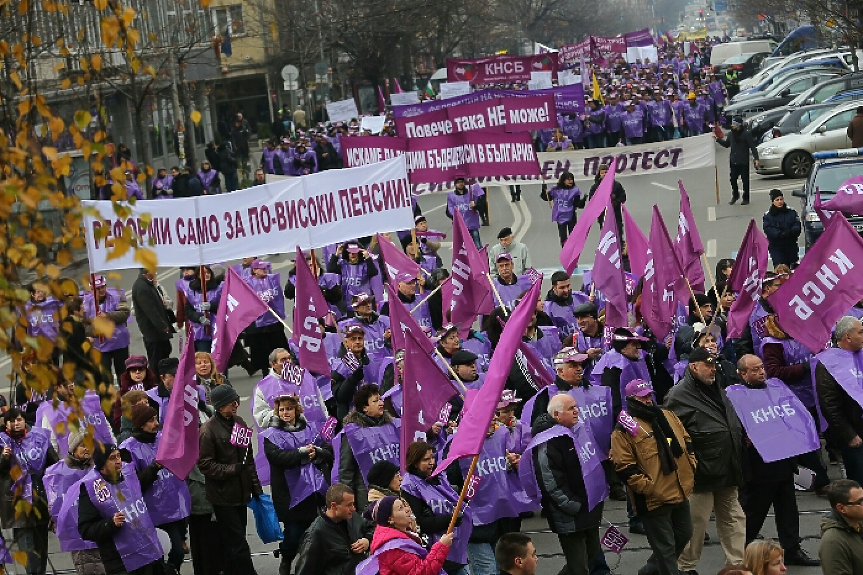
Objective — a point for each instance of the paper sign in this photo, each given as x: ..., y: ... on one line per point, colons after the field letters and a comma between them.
x: 453, y: 89
x: 404, y: 99
x: 628, y: 423
x: 443, y: 418
x: 614, y: 539
x: 328, y: 428
x: 292, y: 373
x: 343, y: 110
x: 241, y: 436
x: 567, y: 77
x: 472, y: 487
x: 541, y: 79
x: 351, y: 361
x: 373, y: 124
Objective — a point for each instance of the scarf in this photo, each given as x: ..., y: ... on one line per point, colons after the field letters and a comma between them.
x: 667, y: 446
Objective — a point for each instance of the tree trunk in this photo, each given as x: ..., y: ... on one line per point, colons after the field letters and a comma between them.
x: 185, y: 102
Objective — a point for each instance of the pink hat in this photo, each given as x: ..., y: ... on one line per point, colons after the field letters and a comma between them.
x: 638, y: 387
x: 99, y: 281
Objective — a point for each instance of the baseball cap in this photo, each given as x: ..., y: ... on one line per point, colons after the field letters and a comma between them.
x: 99, y: 281
x: 404, y: 277
x: 353, y: 248
x: 701, y: 354
x: 638, y: 387
x: 503, y: 256
x: 507, y: 398
x: 352, y: 326
x: 568, y: 354
x: 360, y: 299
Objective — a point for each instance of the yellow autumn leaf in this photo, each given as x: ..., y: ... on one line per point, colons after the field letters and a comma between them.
x: 50, y: 153
x: 24, y: 107
x: 196, y: 116
x: 82, y: 119
x: 136, y: 65
x: 146, y: 257
x: 103, y: 326
x: 85, y: 64
x: 65, y: 83
x: 100, y: 4
x: 128, y: 16
x: 16, y: 79
x: 23, y: 5
x: 20, y: 557
x: 96, y: 61
x: 52, y: 271
x: 56, y: 126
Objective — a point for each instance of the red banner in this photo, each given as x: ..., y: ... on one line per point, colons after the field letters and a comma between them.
x: 497, y: 69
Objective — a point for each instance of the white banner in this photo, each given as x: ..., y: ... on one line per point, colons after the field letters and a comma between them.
x: 343, y: 110
x: 452, y: 89
x: 374, y: 124
x: 567, y: 77
x: 641, y: 53
x: 404, y: 99
x: 540, y: 80
x: 309, y: 211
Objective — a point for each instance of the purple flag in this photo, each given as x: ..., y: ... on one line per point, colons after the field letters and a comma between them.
x: 822, y: 288
x: 178, y: 450
x: 239, y: 306
x: 470, y: 286
x: 608, y: 274
x: 575, y: 243
x: 776, y: 421
x: 382, y: 103
x: 823, y: 214
x: 662, y: 275
x: 309, y: 307
x: 688, y: 245
x: 396, y: 261
x: 396, y: 86
x: 475, y: 421
x: 848, y: 198
x: 636, y: 244
x: 402, y: 323
x: 425, y: 392
x: 746, y: 279
x: 538, y: 372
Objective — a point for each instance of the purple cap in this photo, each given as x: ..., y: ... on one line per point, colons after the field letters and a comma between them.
x: 99, y: 281
x: 507, y: 398
x: 568, y: 354
x: 404, y: 277
x: 360, y: 299
x: 352, y: 326
x: 260, y: 265
x: 638, y: 387
x: 503, y: 256
x: 353, y: 248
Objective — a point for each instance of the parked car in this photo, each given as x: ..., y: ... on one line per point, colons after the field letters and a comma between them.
x: 792, y: 154
x: 795, y: 120
x: 779, y: 76
x: 828, y: 173
x: 780, y: 95
x: 745, y: 64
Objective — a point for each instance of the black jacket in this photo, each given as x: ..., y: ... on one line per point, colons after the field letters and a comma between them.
x: 229, y: 469
x: 326, y: 547
x: 843, y: 414
x: 282, y: 460
x: 558, y: 473
x: 213, y: 157
x: 93, y: 527
x: 150, y: 313
x: 227, y: 160
x: 781, y: 226
x: 741, y: 144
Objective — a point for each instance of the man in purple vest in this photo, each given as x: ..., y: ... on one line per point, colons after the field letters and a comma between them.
x: 113, y: 307
x: 621, y: 365
x: 560, y: 301
x: 408, y: 297
x: 750, y: 341
x: 464, y: 365
x: 470, y: 205
x: 508, y: 285
x: 160, y: 394
x: 590, y: 338
x: 838, y: 380
x: 353, y: 368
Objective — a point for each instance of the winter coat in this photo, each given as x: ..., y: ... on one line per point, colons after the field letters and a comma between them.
x: 326, y: 547
x: 637, y: 462
x: 229, y: 469
x: 781, y: 226
x: 841, y: 550
x: 715, y: 431
x: 400, y: 562
x: 126, y: 383
x: 741, y: 144
x: 558, y: 473
x: 150, y: 313
x: 855, y: 131
x: 843, y: 414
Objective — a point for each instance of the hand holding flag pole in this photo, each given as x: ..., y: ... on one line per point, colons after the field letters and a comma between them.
x: 497, y: 294
x: 461, y: 495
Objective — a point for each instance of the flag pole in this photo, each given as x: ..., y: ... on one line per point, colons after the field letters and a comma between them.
x: 278, y: 317
x: 314, y: 263
x: 713, y: 282
x: 431, y: 293
x: 716, y: 176
x: 96, y: 301
x: 461, y: 496
x: 416, y: 253
x: 692, y: 293
x: 500, y: 299
x: 203, y: 279
x: 451, y: 372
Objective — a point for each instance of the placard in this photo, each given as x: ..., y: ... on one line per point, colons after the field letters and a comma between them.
x: 454, y: 89
x: 343, y: 110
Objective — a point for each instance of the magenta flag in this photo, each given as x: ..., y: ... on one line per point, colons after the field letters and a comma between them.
x: 475, y: 421
x: 538, y: 372
x: 745, y: 280
x: 179, y: 448
x: 396, y: 86
x: 470, y: 285
x: 688, y: 245
x: 636, y: 244
x: 396, y: 261
x: 662, y: 277
x: 382, y: 103
x: 608, y: 275
x: 575, y: 243
x: 425, y: 392
x: 239, y: 306
x: 823, y: 287
x: 402, y: 323
x: 309, y: 307
x: 848, y: 198
x: 823, y: 214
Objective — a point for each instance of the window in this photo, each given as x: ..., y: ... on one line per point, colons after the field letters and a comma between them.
x: 232, y: 16
x: 840, y: 121
x: 829, y: 90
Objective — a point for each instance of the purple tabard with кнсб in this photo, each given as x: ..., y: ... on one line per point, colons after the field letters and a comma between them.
x: 168, y: 499
x: 441, y: 498
x: 303, y: 480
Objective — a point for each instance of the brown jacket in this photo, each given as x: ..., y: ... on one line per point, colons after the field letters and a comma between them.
x: 229, y: 469
x: 855, y: 131
x: 637, y: 459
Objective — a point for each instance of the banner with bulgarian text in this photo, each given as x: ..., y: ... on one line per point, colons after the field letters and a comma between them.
x: 499, y: 69
x: 310, y: 212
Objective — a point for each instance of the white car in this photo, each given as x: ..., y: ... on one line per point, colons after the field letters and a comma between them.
x: 792, y: 154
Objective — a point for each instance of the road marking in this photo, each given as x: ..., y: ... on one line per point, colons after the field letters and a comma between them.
x: 434, y: 209
x: 516, y: 214
x: 711, y: 248
x: 528, y: 219
x: 664, y: 186
x: 711, y: 214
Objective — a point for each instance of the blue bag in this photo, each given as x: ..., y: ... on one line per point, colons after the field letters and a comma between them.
x: 266, y: 522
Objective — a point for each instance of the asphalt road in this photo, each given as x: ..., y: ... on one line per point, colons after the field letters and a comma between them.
x: 721, y: 227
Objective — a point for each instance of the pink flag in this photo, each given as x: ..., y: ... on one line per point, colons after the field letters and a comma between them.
x: 470, y: 286
x: 402, y: 323
x: 662, y: 275
x: 396, y: 87
x: 746, y: 278
x: 396, y: 261
x: 823, y: 287
x: 823, y: 214
x: 575, y: 243
x: 425, y: 392
x: 309, y: 307
x: 537, y: 371
x: 239, y: 306
x: 475, y: 421
x: 636, y: 244
x: 382, y: 103
x: 688, y: 245
x: 179, y: 448
x: 608, y: 275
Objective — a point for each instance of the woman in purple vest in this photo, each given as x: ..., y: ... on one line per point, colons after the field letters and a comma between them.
x: 564, y: 198
x: 43, y: 317
x: 355, y: 267
x: 432, y: 500
x: 198, y: 311
x: 299, y: 466
x: 267, y: 332
x: 209, y: 179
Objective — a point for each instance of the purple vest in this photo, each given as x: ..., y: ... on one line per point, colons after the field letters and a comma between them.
x: 168, y: 499
x: 629, y: 369
x: 196, y: 299
x: 95, y: 420
x: 355, y: 278
x: 303, y: 480
x: 394, y: 394
x: 633, y: 123
x: 660, y: 113
x: 269, y: 289
x: 693, y: 116
x: 374, y: 338
x: 136, y: 540
x: 267, y: 160
x: 573, y: 129
x: 546, y: 346
x: 461, y: 203
x: 370, y: 445
x: 482, y: 349
x: 510, y: 293
x: 29, y: 455
x: 716, y: 92
x: 62, y: 485
x: 163, y: 184
x: 442, y: 499
x: 594, y: 408
x: 562, y: 316
x: 120, y: 338
x: 612, y: 117
x: 846, y: 367
x: 207, y: 179
x: 499, y: 493
x: 796, y: 353
x: 423, y: 315
x: 43, y: 318
x: 563, y: 203
x: 757, y: 321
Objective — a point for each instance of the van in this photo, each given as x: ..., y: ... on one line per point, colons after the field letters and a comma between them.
x: 722, y: 52
x: 801, y: 38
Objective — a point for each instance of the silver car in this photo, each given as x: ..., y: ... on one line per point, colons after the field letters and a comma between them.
x: 792, y: 154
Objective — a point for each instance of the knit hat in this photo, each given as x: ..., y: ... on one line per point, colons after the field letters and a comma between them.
x: 101, y: 452
x: 76, y: 439
x: 381, y: 510
x: 169, y: 365
x: 141, y: 414
x: 775, y: 193
x: 382, y: 473
x: 222, y: 395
